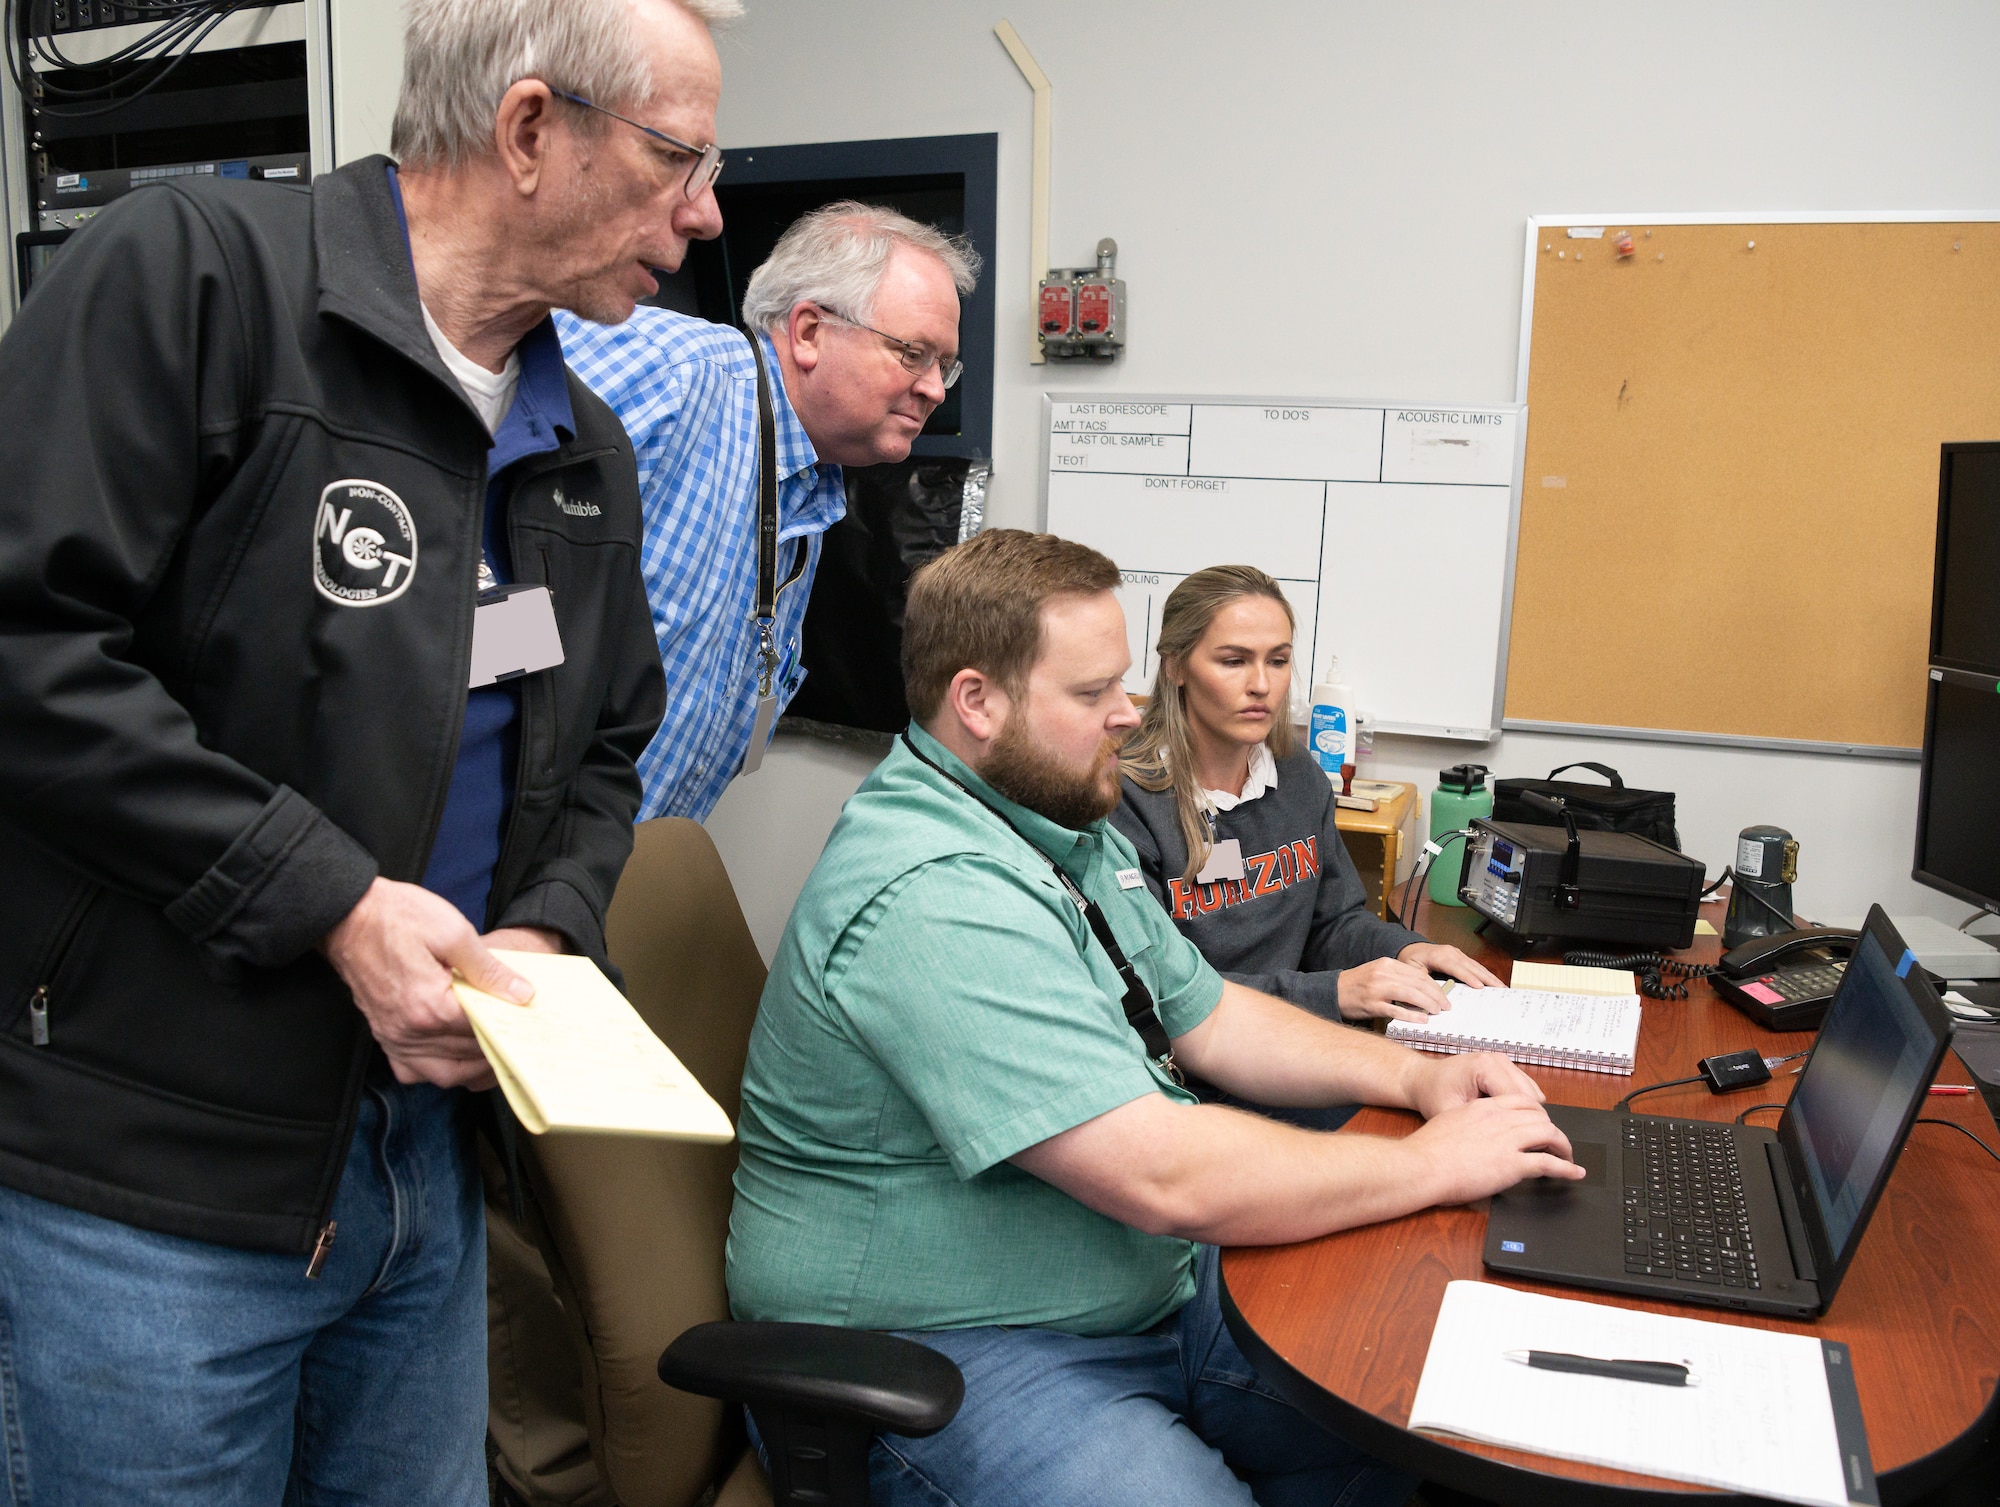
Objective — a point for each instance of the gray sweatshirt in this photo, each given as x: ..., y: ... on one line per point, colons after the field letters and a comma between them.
x: 1299, y: 914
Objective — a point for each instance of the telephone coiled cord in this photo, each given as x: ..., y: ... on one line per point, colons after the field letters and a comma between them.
x: 1651, y: 969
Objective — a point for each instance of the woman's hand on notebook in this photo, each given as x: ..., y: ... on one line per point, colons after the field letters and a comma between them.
x: 1390, y: 989
x: 1440, y: 957
x: 1401, y: 988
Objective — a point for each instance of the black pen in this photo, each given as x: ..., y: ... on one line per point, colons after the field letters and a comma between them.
x: 1661, y: 1373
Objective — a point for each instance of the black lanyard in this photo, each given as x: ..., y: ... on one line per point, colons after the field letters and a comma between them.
x: 1138, y: 1002
x: 765, y: 613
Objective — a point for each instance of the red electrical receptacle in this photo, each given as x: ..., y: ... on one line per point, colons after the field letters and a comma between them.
x: 1057, y: 310
x: 1093, y: 308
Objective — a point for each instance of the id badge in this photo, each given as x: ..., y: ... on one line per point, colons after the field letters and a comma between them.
x: 513, y: 634
x: 1225, y: 861
x: 760, y: 733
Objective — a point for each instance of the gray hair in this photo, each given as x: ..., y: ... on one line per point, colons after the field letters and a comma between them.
x: 835, y: 257
x: 460, y: 57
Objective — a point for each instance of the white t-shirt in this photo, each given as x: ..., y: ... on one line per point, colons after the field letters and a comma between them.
x: 1263, y: 776
x: 492, y: 393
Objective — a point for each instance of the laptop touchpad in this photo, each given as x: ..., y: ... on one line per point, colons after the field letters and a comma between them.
x: 1589, y: 1155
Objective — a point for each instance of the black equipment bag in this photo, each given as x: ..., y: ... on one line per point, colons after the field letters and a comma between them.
x: 1597, y: 808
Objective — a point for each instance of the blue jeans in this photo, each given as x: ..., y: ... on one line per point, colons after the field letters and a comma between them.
x: 147, y: 1369
x: 1174, y: 1417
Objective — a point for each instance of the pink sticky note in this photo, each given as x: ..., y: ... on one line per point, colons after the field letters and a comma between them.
x: 1764, y: 994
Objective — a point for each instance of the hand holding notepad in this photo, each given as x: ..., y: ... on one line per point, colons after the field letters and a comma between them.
x: 578, y: 1057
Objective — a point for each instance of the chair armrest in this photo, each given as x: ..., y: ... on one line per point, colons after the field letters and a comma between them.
x: 891, y: 1384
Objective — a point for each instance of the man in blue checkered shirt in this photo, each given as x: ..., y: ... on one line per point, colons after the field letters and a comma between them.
x: 857, y: 310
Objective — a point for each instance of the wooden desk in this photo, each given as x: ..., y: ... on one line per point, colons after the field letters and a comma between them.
x: 1341, y: 1325
x: 1375, y: 842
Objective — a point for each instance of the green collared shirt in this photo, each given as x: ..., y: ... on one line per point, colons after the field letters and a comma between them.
x: 938, y: 1004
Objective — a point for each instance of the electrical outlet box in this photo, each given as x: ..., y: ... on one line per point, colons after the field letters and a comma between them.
x: 1081, y: 312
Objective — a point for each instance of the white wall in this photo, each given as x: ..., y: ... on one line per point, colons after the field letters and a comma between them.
x: 771, y: 825
x: 365, y: 46
x: 1371, y: 166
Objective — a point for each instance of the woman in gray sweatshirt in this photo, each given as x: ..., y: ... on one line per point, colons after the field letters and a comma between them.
x: 1235, y: 830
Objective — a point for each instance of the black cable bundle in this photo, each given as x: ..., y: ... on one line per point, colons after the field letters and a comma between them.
x: 1407, y: 916
x: 31, y: 39
x: 1651, y: 970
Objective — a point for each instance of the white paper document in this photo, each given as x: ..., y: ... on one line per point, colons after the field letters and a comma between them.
x: 1761, y: 1419
x: 578, y: 1057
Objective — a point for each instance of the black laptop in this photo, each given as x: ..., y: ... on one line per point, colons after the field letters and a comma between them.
x: 1742, y: 1216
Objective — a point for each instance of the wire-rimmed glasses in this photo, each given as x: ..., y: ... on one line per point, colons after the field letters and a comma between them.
x: 706, y: 166
x: 916, y: 359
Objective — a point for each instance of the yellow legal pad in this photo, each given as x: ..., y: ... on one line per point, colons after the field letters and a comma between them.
x: 1567, y: 978
x: 578, y: 1057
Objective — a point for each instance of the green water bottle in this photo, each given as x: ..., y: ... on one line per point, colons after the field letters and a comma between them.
x: 1460, y: 796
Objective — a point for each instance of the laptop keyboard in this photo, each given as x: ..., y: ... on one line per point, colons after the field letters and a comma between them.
x: 1685, y: 1218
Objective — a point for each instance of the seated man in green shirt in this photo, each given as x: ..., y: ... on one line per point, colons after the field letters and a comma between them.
x: 963, y: 1121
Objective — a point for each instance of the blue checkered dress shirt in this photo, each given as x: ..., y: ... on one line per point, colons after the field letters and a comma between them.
x: 687, y: 393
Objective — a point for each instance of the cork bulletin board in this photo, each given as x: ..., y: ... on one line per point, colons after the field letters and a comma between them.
x: 1729, y: 495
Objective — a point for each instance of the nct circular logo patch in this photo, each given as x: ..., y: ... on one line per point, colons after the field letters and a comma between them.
x: 364, y: 544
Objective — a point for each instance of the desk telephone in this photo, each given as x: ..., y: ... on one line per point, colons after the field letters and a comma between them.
x: 1784, y: 982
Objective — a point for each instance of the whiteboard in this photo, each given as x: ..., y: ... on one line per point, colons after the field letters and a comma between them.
x: 1391, y: 528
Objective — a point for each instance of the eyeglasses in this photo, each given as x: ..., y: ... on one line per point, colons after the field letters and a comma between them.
x: 702, y: 171
x: 916, y: 359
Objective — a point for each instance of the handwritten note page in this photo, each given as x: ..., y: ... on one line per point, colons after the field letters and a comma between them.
x: 1594, y: 1031
x: 1760, y: 1420
x: 578, y: 1057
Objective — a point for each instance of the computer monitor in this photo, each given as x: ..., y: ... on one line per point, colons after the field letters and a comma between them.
x: 1965, y: 605
x: 1958, y: 796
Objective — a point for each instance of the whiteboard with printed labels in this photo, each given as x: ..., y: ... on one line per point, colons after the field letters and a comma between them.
x: 1391, y: 528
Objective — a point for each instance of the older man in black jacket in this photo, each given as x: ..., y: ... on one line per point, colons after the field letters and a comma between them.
x: 270, y: 456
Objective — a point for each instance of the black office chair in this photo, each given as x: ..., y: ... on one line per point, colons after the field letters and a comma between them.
x: 819, y: 1396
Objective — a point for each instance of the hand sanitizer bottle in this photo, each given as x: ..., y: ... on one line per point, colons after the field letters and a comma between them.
x: 1330, y: 734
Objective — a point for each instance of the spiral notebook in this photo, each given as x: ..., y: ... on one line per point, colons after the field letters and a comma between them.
x: 1596, y: 1032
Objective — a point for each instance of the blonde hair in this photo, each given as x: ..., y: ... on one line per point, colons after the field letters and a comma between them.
x: 1160, y: 755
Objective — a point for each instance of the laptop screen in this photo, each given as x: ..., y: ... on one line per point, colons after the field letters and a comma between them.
x: 1873, y: 1062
